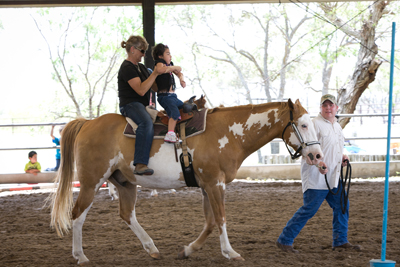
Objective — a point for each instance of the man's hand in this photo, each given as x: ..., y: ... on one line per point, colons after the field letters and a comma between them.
x: 183, y: 83
x: 323, y: 169
x: 344, y: 163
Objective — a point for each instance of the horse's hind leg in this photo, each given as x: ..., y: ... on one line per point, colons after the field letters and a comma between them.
x: 207, y: 230
x: 127, y: 200
x: 79, y: 212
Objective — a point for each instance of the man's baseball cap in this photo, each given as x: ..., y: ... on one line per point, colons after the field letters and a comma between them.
x: 328, y: 97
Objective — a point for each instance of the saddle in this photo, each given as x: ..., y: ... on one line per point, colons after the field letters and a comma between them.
x: 193, y: 119
x: 185, y: 112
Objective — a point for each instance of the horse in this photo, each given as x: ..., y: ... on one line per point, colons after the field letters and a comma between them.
x: 100, y: 153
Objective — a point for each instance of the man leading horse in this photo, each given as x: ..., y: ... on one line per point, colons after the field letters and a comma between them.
x: 315, y: 190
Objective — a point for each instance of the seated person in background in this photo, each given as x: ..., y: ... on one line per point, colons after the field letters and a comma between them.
x: 166, y: 96
x: 33, y: 166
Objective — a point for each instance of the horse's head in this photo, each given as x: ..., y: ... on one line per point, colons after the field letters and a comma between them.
x: 201, y: 102
x: 299, y: 133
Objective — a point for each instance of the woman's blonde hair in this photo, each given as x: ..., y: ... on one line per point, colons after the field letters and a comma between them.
x: 136, y: 41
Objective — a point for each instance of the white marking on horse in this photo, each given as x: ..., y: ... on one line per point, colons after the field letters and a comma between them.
x: 146, y: 240
x: 226, y: 247
x: 220, y: 183
x: 261, y: 119
x: 200, y: 170
x: 293, y: 139
x: 77, y: 250
x: 114, y: 161
x: 166, y: 170
x: 222, y: 142
x: 236, y: 129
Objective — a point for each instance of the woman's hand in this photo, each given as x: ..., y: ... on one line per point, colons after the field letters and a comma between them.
x: 160, y: 69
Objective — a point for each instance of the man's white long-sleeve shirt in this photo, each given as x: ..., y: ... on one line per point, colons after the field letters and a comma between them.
x: 331, y: 137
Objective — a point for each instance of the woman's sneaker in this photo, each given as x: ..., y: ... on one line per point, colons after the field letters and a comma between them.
x: 170, y: 137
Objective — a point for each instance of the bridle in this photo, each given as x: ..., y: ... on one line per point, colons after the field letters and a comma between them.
x: 299, y: 137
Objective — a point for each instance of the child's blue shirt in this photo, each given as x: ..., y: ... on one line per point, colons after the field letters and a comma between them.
x: 57, y: 142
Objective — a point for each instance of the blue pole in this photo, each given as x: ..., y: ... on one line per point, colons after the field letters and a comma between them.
x: 386, y: 195
x: 383, y: 262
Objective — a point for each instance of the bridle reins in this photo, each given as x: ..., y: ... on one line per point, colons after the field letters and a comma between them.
x: 303, y: 144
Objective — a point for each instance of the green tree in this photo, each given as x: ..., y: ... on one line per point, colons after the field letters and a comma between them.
x: 85, y: 52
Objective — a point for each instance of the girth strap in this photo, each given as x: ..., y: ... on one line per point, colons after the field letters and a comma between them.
x: 184, y: 146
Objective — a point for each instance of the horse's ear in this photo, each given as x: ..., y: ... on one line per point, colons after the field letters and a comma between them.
x: 297, y: 102
x: 290, y: 103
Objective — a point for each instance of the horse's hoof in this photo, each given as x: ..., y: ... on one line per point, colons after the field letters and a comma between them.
x: 155, y: 256
x: 181, y: 255
x: 238, y: 259
x: 83, y: 263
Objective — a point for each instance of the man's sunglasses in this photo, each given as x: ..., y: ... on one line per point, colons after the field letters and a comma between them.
x: 141, y: 50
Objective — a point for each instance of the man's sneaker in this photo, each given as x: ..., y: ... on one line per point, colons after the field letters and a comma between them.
x: 170, y: 137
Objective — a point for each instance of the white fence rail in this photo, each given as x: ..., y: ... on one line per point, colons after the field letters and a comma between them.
x: 371, y: 165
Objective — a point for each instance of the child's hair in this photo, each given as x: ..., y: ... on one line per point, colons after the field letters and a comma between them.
x: 159, y: 50
x: 32, y: 153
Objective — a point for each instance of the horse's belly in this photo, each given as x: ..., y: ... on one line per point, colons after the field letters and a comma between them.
x: 167, y: 171
x: 159, y: 182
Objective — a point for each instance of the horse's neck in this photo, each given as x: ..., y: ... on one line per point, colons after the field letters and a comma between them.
x: 251, y: 127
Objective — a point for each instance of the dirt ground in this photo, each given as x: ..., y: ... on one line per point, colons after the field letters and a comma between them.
x: 256, y: 214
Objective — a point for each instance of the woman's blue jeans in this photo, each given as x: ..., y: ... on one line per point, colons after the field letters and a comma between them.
x: 144, y: 133
x: 312, y: 200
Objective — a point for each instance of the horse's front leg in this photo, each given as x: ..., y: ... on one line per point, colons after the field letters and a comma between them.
x: 207, y: 230
x: 214, y: 211
x: 217, y: 201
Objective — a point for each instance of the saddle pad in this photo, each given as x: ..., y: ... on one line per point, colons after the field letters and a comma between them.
x: 194, y: 126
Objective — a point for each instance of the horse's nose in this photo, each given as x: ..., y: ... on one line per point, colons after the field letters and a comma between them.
x: 318, y: 156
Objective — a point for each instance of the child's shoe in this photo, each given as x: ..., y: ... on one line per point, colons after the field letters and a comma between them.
x: 170, y: 137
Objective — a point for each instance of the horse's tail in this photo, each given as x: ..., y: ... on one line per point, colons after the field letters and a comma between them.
x: 61, y: 200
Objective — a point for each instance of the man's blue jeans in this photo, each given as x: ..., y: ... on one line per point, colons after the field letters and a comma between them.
x: 312, y: 200
x: 144, y: 133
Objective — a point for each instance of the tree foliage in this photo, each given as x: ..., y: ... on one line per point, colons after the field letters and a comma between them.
x: 84, y: 49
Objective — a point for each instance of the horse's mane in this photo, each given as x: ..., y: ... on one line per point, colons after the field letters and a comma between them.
x: 241, y: 107
x: 284, y: 109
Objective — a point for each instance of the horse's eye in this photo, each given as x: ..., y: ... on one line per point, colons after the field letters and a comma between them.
x: 304, y: 126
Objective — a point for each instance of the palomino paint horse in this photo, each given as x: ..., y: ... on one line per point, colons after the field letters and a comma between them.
x: 102, y: 153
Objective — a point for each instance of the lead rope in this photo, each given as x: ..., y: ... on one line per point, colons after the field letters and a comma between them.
x: 343, y: 196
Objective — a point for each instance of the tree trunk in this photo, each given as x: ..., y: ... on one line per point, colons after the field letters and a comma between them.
x: 326, y: 75
x: 366, y: 67
x: 266, y: 74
